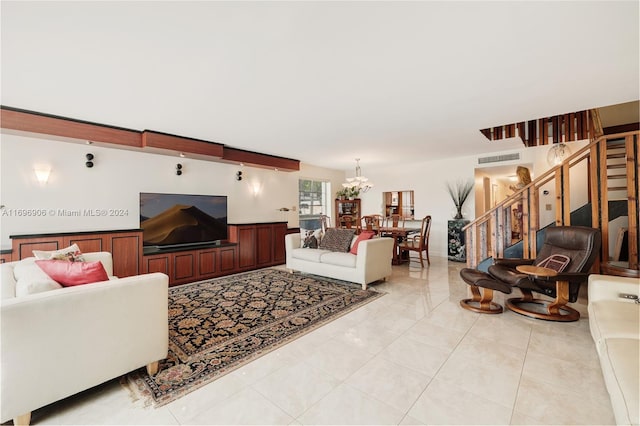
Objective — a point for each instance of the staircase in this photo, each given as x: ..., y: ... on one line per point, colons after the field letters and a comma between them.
x: 609, y: 166
x: 616, y: 170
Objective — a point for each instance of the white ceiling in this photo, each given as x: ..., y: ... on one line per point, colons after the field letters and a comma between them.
x: 322, y: 82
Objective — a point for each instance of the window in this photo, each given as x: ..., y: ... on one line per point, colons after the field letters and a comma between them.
x: 313, y: 201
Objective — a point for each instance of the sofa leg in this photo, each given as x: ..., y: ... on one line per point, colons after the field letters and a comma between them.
x: 364, y: 286
x: 153, y: 367
x: 290, y: 271
x: 22, y: 420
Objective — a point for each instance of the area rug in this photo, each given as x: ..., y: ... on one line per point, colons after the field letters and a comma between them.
x: 219, y: 325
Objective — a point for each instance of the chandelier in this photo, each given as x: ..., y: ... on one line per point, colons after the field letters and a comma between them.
x: 557, y: 154
x: 358, y: 183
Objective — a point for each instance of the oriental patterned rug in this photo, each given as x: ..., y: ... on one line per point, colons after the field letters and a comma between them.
x: 219, y: 325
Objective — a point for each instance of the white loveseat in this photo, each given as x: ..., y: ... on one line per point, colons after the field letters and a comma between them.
x: 372, y: 263
x: 59, y: 342
x: 614, y: 321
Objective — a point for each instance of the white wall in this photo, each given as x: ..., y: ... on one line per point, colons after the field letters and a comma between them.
x: 117, y: 178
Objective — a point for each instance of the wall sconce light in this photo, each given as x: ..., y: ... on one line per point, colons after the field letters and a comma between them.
x: 42, y: 174
x: 178, y: 169
x: 239, y: 175
x: 89, y: 162
x: 256, y: 188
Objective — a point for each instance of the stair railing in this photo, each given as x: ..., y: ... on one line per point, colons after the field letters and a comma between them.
x: 491, y: 233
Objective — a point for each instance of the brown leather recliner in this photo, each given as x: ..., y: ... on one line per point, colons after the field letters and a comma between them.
x: 580, y: 245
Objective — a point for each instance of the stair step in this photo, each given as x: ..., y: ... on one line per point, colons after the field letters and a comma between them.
x: 622, y: 176
x: 616, y: 155
x: 616, y: 166
x: 617, y: 188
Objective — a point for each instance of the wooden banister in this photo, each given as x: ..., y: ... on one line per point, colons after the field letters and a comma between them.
x: 491, y: 233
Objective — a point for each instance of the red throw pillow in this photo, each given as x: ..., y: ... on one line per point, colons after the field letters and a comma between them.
x: 73, y: 273
x: 364, y: 235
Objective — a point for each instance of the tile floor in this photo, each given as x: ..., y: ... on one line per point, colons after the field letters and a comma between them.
x: 411, y: 357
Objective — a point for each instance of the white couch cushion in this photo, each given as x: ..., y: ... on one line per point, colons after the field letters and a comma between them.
x: 31, y: 279
x: 610, y: 318
x: 339, y: 259
x: 619, y: 361
x: 312, y: 255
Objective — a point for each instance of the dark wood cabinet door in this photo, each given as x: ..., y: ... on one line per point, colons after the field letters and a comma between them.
x: 88, y: 243
x: 207, y: 263
x: 279, y: 232
x: 157, y: 263
x: 184, y: 266
x: 228, y: 259
x: 246, y: 247
x: 126, y: 252
x: 264, y: 245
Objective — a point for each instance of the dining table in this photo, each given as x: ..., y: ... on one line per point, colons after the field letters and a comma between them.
x: 398, y: 234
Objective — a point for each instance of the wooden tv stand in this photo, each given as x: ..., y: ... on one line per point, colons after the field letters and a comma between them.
x: 250, y: 246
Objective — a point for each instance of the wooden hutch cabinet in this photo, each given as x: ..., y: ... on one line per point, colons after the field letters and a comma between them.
x: 347, y: 208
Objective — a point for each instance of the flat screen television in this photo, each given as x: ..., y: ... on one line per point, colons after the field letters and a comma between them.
x: 176, y: 220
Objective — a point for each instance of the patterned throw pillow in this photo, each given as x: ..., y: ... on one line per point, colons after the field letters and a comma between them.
x: 310, y: 242
x: 310, y: 238
x: 337, y: 240
x: 71, y: 254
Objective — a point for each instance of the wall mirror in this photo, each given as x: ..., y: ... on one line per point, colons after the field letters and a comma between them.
x: 399, y: 202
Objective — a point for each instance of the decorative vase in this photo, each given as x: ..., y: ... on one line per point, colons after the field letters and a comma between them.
x: 458, y: 215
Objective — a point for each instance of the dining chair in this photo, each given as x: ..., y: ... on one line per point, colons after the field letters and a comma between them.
x: 394, y: 221
x: 325, y: 222
x: 418, y: 242
x: 372, y: 222
x: 346, y: 221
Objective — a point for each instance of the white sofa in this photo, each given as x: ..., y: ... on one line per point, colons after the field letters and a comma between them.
x: 615, y: 326
x: 59, y: 342
x: 372, y: 263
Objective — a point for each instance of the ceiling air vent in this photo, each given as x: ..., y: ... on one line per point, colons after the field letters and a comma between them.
x: 498, y: 158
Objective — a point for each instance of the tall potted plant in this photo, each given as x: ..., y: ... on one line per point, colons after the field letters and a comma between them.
x: 459, y: 194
